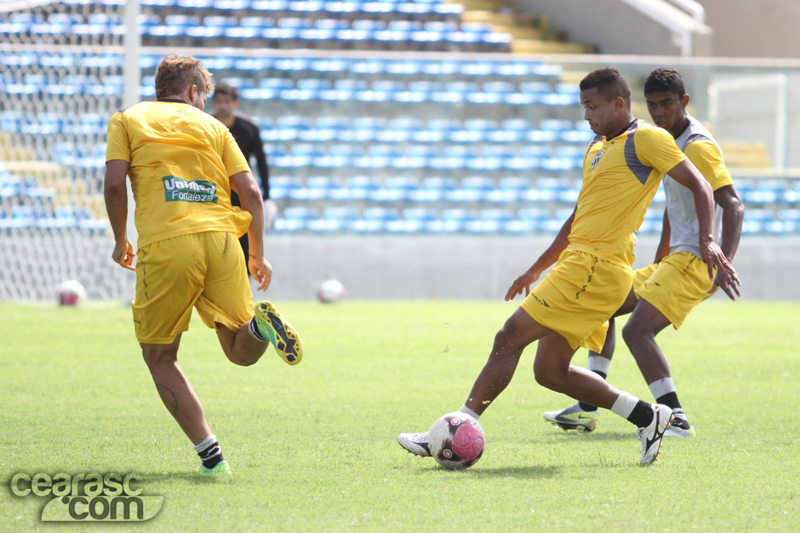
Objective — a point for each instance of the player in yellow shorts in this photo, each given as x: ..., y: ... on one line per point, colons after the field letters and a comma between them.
x: 622, y: 169
x: 674, y: 285
x: 183, y: 166
x: 665, y: 292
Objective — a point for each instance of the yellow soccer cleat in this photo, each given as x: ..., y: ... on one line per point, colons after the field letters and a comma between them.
x: 573, y: 417
x: 280, y: 333
x: 221, y: 469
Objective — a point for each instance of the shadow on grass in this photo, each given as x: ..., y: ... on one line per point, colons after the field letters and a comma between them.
x: 190, y: 477
x: 524, y: 472
x: 574, y: 436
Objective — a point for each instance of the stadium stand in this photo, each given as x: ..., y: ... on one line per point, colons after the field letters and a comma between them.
x: 361, y: 142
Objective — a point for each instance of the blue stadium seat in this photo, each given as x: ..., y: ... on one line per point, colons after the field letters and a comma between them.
x: 790, y: 219
x: 26, y: 216
x: 489, y: 221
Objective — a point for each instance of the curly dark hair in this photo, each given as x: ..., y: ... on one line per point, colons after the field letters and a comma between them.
x: 609, y: 82
x: 666, y: 80
x: 175, y: 73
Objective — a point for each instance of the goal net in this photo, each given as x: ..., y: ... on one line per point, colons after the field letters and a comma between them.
x: 61, y: 78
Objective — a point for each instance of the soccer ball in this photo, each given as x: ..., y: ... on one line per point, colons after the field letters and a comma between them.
x: 70, y: 292
x: 456, y: 441
x: 330, y: 291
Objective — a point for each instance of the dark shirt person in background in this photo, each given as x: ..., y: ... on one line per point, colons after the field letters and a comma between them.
x: 245, y: 132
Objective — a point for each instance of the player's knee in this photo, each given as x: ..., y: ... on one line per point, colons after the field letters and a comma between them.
x: 548, y: 375
x: 509, y: 340
x: 548, y: 379
x: 633, y: 331
x: 242, y: 360
x: 155, y: 356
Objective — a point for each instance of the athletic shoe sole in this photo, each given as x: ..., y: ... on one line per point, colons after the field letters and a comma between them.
x: 281, y: 334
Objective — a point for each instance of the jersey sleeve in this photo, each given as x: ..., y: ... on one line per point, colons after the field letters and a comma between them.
x: 232, y: 156
x: 657, y: 149
x: 706, y: 156
x: 118, y: 144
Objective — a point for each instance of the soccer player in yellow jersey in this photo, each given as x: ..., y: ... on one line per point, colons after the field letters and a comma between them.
x: 593, y: 253
x: 665, y: 292
x: 183, y: 164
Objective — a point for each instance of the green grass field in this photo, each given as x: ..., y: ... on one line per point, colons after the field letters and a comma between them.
x: 313, y: 447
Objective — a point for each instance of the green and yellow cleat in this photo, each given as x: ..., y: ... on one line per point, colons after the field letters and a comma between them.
x: 221, y: 469
x: 280, y: 333
x: 573, y: 417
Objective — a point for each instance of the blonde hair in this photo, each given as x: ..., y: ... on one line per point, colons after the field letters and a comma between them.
x: 176, y: 73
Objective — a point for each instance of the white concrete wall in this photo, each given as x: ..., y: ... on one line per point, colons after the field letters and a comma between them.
x: 371, y: 267
x: 763, y: 28
x: 756, y: 29
x: 461, y: 267
x: 610, y: 25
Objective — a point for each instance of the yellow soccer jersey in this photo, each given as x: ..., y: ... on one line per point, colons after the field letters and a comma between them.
x: 620, y: 179
x: 706, y: 156
x: 181, y: 160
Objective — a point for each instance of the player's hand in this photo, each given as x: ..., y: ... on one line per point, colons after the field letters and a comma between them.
x: 261, y: 271
x: 726, y: 284
x: 726, y: 275
x: 123, y: 255
x: 522, y: 283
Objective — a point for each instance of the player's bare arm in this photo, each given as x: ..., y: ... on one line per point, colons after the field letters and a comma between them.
x: 687, y: 175
x: 116, y: 197
x: 548, y: 257
x: 732, y: 217
x: 663, y: 245
x: 250, y: 196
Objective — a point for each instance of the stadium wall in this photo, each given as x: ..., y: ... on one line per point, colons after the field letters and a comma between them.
x: 623, y: 30
x: 376, y: 267
x: 764, y: 29
x: 463, y: 267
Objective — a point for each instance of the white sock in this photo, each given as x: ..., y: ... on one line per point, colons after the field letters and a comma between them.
x: 660, y: 387
x: 208, y: 448
x: 470, y: 412
x: 598, y: 363
x: 624, y: 404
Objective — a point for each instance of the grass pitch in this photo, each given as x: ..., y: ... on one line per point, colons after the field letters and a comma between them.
x: 313, y: 447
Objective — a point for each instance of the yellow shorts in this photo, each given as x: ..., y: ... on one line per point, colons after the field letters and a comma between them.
x: 578, y: 296
x: 674, y: 286
x: 201, y: 270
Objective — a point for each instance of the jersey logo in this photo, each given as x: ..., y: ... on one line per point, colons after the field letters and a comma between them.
x: 179, y: 190
x: 597, y: 159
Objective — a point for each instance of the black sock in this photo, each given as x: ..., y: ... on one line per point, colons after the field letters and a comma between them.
x: 589, y: 407
x: 255, y: 332
x: 642, y: 414
x: 211, y: 454
x: 670, y: 399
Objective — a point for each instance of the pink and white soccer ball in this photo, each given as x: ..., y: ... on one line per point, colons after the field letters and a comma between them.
x: 456, y: 440
x: 330, y: 291
x: 70, y: 292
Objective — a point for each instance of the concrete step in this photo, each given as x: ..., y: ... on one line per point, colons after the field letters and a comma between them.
x: 536, y: 46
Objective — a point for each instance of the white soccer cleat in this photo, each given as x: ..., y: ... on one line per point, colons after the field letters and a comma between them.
x: 416, y: 443
x: 680, y: 426
x: 573, y: 417
x: 651, y: 435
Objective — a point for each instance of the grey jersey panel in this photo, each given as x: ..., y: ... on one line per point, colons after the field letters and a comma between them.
x: 684, y: 227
